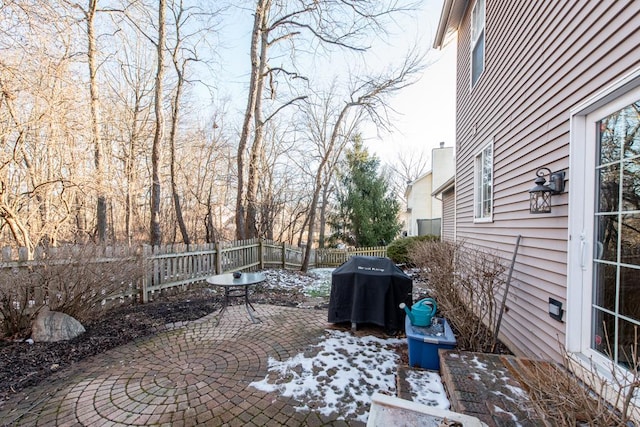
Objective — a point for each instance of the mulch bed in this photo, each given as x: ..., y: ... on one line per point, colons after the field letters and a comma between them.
x: 24, y: 365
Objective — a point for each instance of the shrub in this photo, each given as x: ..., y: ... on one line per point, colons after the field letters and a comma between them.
x: 399, y: 250
x: 465, y: 283
x: 16, y: 313
x: 80, y: 286
x: 77, y: 282
x: 587, y: 399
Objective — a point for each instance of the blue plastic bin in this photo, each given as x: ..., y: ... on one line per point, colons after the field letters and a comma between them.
x: 424, y: 343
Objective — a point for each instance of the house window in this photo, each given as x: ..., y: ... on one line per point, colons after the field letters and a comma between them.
x: 477, y: 41
x: 604, y: 226
x: 616, y: 257
x: 483, y: 171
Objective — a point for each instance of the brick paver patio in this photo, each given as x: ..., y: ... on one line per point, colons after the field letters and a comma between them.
x: 194, y: 374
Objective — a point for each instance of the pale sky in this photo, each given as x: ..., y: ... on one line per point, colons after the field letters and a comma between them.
x: 425, y: 111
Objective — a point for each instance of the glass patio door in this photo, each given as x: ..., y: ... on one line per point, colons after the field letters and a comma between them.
x: 615, y: 301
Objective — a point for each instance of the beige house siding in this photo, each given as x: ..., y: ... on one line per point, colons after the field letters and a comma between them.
x: 449, y: 216
x: 420, y: 204
x: 541, y: 60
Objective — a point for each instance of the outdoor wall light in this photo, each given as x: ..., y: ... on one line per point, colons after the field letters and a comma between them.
x: 555, y: 309
x: 540, y: 195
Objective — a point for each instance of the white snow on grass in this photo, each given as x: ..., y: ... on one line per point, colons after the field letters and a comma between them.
x: 427, y: 388
x: 316, y: 283
x: 321, y: 285
x: 338, y: 375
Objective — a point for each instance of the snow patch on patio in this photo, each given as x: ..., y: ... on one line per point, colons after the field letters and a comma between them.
x: 499, y: 410
x: 340, y: 374
x: 426, y: 388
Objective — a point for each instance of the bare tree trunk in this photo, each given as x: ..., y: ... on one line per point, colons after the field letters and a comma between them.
x: 18, y: 229
x: 208, y: 222
x: 172, y: 136
x: 301, y: 234
x: 130, y: 173
x: 318, y: 182
x: 323, y: 215
x: 155, y: 231
x: 262, y: 9
x: 81, y: 220
x: 258, y: 129
x: 268, y: 210
x: 101, y: 206
x: 176, y: 200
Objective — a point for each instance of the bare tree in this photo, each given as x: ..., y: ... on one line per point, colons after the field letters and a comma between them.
x: 260, y: 15
x: 89, y: 16
x: 179, y: 65
x: 333, y: 24
x: 130, y: 108
x: 280, y: 192
x: 155, y: 237
x: 185, y: 41
x: 8, y: 207
x: 85, y: 155
x: 368, y: 97
x: 408, y: 166
x: 38, y: 119
x: 101, y: 206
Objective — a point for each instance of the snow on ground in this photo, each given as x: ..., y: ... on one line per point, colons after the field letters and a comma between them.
x: 321, y: 286
x: 342, y: 372
x: 316, y: 283
x: 427, y: 388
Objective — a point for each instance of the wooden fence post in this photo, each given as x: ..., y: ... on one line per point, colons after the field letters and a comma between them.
x: 6, y: 254
x: 284, y: 256
x: 146, y: 252
x: 23, y: 254
x: 218, y: 259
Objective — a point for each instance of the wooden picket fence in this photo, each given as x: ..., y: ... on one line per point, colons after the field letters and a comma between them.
x: 173, y: 266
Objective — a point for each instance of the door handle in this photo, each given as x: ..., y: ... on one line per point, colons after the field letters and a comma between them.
x: 583, y: 252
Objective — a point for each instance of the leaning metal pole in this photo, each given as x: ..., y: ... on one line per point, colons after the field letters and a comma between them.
x: 504, y: 296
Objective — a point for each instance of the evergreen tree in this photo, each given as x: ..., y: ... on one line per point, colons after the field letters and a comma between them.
x: 367, y: 214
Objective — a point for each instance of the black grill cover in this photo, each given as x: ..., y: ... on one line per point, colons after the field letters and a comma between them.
x: 369, y: 290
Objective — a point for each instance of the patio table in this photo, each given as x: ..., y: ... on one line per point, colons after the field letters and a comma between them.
x: 237, y: 287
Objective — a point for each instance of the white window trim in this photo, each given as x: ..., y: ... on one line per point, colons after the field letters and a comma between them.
x: 472, y: 45
x: 579, y: 256
x: 477, y: 219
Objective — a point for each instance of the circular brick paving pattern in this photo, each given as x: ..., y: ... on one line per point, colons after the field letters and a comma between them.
x: 194, y: 374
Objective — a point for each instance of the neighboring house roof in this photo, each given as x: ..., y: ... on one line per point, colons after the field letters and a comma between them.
x: 447, y: 185
x: 450, y: 17
x: 421, y: 177
x: 412, y: 183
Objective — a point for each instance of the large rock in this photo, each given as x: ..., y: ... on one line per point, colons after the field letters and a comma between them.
x: 53, y: 326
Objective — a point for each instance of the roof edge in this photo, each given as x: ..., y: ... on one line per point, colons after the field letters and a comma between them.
x: 450, y: 17
x: 448, y: 184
